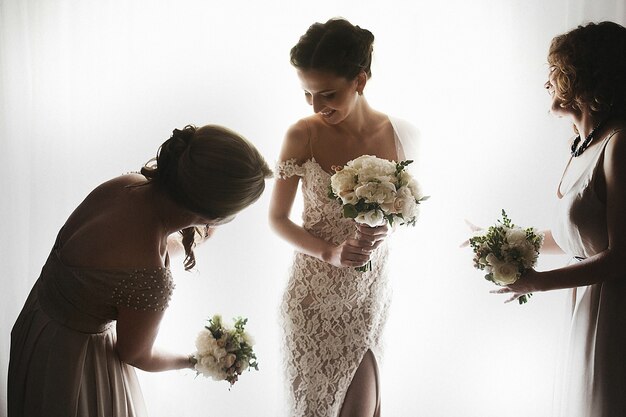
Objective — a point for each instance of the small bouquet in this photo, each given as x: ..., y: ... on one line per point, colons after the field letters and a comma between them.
x: 223, y: 353
x: 505, y: 251
x: 375, y: 191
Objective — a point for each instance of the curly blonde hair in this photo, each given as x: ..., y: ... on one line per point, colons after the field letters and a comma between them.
x: 590, y: 68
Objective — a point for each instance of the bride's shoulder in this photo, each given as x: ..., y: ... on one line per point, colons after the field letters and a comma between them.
x: 297, y: 142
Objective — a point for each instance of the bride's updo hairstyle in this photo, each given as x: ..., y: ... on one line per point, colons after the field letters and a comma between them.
x: 336, y: 46
x: 590, y: 66
x: 211, y: 171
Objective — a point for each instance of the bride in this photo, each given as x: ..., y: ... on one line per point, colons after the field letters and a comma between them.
x: 333, y: 316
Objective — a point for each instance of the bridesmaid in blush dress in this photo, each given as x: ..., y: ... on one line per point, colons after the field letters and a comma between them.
x: 587, y: 82
x: 94, y: 313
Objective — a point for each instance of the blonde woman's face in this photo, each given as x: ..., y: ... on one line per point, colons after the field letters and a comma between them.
x: 556, y: 106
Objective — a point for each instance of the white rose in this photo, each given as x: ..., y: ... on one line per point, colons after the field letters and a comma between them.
x: 372, y: 218
x: 505, y: 274
x: 405, y: 204
x: 343, y: 181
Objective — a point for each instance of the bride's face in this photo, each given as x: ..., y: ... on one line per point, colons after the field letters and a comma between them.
x: 331, y: 96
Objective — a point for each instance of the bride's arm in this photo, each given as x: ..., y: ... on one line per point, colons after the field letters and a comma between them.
x: 608, y: 264
x: 349, y: 253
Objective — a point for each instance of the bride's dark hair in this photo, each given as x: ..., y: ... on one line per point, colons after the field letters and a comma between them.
x: 336, y: 46
x: 211, y: 171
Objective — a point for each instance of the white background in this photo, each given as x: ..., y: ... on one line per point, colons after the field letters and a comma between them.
x: 89, y: 89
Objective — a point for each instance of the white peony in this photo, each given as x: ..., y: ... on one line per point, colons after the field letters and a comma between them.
x: 516, y: 236
x: 372, y: 218
x: 343, y: 181
x: 348, y: 197
x: 376, y: 192
x: 370, y: 167
x: 205, y: 343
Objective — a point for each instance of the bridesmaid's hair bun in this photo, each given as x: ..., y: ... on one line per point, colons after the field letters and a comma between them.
x: 211, y: 171
x: 336, y: 46
x: 169, y: 154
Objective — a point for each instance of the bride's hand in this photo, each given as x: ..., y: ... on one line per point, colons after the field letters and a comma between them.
x: 373, y: 236
x: 350, y: 253
x: 473, y: 228
x: 357, y: 251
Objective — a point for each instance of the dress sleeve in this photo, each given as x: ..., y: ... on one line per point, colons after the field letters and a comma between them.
x: 145, y: 289
x: 288, y: 168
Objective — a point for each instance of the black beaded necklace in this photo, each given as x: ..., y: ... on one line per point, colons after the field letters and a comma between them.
x: 579, y: 151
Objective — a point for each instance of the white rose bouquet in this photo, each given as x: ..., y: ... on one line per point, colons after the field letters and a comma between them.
x: 223, y: 353
x: 505, y: 251
x: 375, y: 191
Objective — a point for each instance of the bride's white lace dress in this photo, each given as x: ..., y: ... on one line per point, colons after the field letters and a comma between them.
x: 330, y: 316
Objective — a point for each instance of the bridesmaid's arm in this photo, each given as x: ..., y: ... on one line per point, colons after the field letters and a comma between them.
x: 136, y: 333
x: 608, y: 264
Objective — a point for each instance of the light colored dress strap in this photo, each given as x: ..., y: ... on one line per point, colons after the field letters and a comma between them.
x: 310, y: 139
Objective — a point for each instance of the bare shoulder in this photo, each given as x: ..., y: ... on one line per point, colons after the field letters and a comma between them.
x: 617, y: 143
x: 119, y: 182
x: 615, y: 153
x: 111, y: 228
x: 297, y: 140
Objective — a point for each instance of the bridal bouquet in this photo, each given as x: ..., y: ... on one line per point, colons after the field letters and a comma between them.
x: 223, y: 353
x: 376, y: 191
x: 505, y: 251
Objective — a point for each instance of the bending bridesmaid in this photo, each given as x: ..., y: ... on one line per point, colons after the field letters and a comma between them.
x: 587, y: 82
x: 95, y: 310
x: 333, y: 316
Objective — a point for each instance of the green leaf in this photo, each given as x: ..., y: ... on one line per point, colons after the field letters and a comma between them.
x: 349, y: 211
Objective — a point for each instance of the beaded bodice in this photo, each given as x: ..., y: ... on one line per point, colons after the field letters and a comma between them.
x: 86, y: 299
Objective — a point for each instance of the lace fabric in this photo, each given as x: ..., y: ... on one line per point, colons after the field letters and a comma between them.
x: 331, y: 316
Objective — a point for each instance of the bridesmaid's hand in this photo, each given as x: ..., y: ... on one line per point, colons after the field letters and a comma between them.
x: 527, y: 283
x: 473, y: 228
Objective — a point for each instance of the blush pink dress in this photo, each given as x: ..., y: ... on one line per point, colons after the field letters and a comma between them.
x: 63, y: 360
